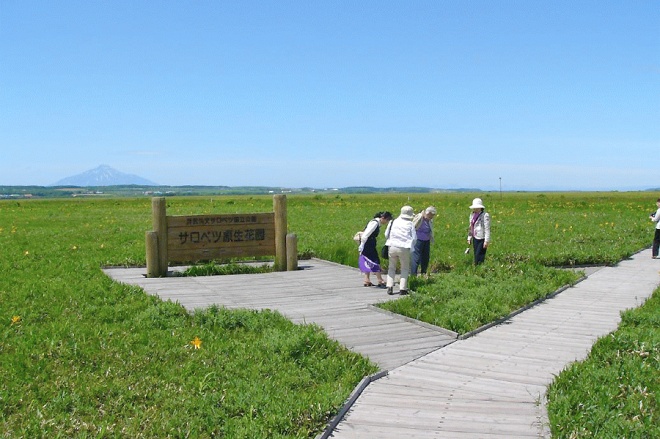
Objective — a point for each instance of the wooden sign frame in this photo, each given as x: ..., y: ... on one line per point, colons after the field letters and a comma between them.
x: 197, y: 238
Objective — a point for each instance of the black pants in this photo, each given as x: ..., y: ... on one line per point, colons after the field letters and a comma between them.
x: 479, y: 250
x: 420, y: 256
x: 656, y: 242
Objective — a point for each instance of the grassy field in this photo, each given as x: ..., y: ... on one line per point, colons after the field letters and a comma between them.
x: 81, y: 356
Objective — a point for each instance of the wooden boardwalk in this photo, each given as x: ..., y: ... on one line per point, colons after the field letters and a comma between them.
x: 327, y: 294
x: 489, y: 386
x: 493, y: 385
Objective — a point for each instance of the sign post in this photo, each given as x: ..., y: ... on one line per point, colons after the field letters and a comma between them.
x: 279, y: 208
x: 158, y: 209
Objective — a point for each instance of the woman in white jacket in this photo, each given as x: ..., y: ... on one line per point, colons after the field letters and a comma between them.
x: 401, y: 238
x: 479, y: 231
x: 655, y: 217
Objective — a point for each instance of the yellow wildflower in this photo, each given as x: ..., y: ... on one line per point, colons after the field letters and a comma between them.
x: 196, y: 342
x: 15, y: 320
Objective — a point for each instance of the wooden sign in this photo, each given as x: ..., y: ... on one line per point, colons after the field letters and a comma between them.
x: 195, y: 238
x: 209, y: 237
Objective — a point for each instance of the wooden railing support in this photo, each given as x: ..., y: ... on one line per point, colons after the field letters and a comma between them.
x: 279, y: 208
x: 291, y: 252
x: 151, y: 244
x: 159, y: 212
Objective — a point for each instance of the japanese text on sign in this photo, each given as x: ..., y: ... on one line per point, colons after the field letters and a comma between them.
x: 221, y: 220
x: 238, y: 235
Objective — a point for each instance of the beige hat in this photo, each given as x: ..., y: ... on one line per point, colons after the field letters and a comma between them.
x: 430, y: 210
x: 406, y: 212
x: 477, y: 204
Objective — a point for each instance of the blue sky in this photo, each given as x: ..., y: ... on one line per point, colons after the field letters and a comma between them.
x: 561, y: 95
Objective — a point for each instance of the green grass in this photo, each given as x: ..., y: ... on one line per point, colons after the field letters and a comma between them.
x: 553, y: 230
x: 254, y: 375
x: 93, y: 358
x: 615, y: 392
x: 218, y: 269
x: 469, y: 297
x: 81, y: 356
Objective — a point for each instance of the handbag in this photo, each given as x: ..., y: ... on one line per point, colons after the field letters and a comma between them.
x: 385, y: 252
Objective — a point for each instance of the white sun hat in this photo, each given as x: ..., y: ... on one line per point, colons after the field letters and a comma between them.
x: 477, y: 204
x: 406, y: 212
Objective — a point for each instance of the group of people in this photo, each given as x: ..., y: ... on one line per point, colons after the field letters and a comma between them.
x: 408, y: 241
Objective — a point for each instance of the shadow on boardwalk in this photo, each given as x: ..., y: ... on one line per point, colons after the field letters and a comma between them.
x: 488, y: 386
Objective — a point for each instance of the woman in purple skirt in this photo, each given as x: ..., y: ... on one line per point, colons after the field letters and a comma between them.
x: 369, y: 261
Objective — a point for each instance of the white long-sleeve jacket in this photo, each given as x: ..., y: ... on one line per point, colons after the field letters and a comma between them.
x: 481, y: 227
x: 656, y: 219
x: 401, y: 234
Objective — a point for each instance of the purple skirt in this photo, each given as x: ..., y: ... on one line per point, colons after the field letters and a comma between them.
x: 367, y: 265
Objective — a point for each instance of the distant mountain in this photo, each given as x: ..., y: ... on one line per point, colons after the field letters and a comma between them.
x: 104, y: 176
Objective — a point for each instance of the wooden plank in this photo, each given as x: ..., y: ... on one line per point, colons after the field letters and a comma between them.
x: 177, y: 255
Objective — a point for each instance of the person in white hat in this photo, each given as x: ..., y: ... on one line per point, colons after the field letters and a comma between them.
x: 479, y: 230
x: 401, y: 238
x: 655, y: 217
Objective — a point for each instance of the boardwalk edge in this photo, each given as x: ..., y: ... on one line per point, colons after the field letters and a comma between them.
x: 329, y: 429
x: 440, y: 329
x: 519, y: 310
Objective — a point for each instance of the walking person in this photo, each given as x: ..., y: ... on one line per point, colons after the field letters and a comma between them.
x: 655, y: 217
x: 368, y: 261
x: 401, y: 237
x: 479, y: 231
x: 421, y: 253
